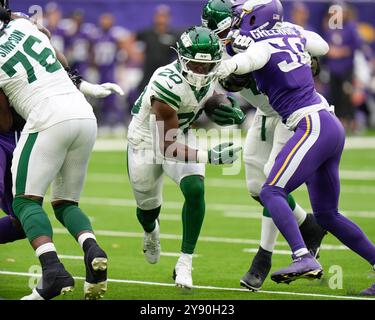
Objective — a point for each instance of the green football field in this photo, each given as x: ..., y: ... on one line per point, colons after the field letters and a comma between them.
x: 228, y: 241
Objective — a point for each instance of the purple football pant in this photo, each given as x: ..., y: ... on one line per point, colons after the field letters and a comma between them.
x: 312, y: 156
x: 10, y: 228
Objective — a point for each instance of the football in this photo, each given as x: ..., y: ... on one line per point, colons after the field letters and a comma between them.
x: 215, y: 101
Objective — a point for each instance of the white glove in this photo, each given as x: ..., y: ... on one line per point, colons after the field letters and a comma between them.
x: 226, y: 68
x: 100, y: 90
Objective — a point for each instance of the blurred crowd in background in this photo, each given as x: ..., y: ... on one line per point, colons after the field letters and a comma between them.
x: 110, y: 50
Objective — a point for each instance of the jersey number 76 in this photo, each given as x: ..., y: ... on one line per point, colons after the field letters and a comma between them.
x: 46, y: 59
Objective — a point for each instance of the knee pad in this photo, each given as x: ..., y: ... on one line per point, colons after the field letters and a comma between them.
x: 192, y: 187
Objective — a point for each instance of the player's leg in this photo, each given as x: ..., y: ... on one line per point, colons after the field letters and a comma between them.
x: 311, y: 145
x: 257, y: 149
x: 37, y: 159
x: 146, y: 180
x: 10, y: 228
x: 312, y: 233
x: 66, y: 190
x: 324, y: 191
x: 190, y: 178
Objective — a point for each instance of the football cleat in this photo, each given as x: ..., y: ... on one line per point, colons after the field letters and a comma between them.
x: 369, y: 291
x: 182, y: 273
x: 151, y: 244
x: 55, y: 281
x: 96, y: 263
x: 302, y: 267
x: 312, y: 234
x: 258, y: 272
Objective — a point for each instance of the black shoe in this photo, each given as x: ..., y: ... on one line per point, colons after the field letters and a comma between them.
x: 96, y: 262
x: 258, y: 272
x: 55, y: 281
x: 312, y: 234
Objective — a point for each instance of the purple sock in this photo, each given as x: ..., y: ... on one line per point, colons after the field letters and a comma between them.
x: 348, y: 233
x: 8, y: 232
x: 275, y: 200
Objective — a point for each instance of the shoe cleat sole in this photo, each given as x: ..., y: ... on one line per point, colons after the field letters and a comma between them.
x: 95, y: 291
x: 248, y: 286
x: 99, y: 264
x: 66, y: 290
x: 288, y: 278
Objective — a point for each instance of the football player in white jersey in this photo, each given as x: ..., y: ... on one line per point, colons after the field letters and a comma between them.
x: 54, y: 147
x: 265, y: 138
x: 162, y: 116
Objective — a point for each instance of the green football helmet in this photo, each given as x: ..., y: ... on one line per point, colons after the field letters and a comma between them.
x: 199, y: 53
x: 217, y: 16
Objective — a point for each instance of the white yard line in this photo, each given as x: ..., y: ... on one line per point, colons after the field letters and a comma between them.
x: 229, y: 210
x: 316, y: 295
x: 105, y: 145
x: 163, y: 254
x: 124, y: 234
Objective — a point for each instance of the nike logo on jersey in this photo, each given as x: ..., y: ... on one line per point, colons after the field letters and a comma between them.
x: 169, y: 86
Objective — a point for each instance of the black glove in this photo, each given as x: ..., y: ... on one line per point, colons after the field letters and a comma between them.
x: 315, y: 66
x: 235, y: 83
x: 74, y: 76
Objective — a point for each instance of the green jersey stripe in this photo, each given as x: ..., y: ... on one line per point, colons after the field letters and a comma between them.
x: 167, y: 92
x: 167, y: 100
x: 23, y: 164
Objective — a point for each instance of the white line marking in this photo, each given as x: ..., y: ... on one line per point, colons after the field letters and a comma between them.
x: 24, y: 274
x: 105, y: 145
x: 164, y: 254
x: 124, y: 234
x: 68, y: 257
x: 258, y: 215
x: 230, y: 210
x: 255, y: 250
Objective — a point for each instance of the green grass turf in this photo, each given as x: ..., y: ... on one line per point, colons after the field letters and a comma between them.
x: 219, y: 264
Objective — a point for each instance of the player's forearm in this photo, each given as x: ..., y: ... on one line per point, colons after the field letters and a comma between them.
x: 179, y: 152
x: 255, y: 58
x: 61, y: 57
x: 315, y: 44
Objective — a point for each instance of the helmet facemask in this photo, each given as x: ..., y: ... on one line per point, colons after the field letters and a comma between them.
x: 199, y: 54
x: 198, y: 72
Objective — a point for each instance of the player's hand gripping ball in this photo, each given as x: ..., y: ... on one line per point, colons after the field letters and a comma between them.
x: 224, y: 110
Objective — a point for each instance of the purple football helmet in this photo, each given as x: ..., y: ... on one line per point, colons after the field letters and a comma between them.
x: 263, y: 14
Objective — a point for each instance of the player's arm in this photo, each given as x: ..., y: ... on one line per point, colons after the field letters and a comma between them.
x: 254, y: 58
x: 315, y: 44
x: 6, y: 119
x: 165, y: 128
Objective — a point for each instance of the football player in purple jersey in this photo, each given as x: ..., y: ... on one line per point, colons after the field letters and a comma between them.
x: 278, y: 56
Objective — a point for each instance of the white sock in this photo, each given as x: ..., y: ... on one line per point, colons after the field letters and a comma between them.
x: 186, y: 257
x: 301, y: 252
x: 300, y: 214
x: 269, y: 234
x: 84, y: 236
x: 44, y: 248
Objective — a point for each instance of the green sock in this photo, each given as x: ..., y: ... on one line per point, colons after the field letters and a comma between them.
x: 193, y: 211
x: 291, y: 202
x: 147, y: 218
x: 33, y: 218
x: 72, y: 218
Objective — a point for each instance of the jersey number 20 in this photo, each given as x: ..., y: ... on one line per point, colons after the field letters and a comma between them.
x: 46, y: 58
